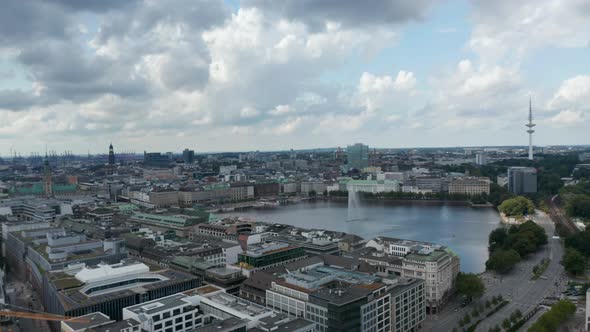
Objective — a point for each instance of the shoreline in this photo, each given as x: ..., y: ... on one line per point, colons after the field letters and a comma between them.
x: 412, y: 201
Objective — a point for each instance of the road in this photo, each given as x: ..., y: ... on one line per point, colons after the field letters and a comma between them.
x: 522, y: 293
x: 21, y: 295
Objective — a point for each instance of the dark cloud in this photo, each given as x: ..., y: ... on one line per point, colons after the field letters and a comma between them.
x: 350, y: 13
x: 95, y: 6
x: 23, y: 22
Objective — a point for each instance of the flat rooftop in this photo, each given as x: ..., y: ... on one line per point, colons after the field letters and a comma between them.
x: 162, y: 304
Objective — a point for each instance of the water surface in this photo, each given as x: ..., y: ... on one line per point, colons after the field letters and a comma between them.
x: 464, y: 229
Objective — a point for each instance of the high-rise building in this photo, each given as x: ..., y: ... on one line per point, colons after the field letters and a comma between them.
x: 188, y: 156
x: 480, y: 158
x: 358, y: 156
x: 111, y: 155
x: 522, y: 180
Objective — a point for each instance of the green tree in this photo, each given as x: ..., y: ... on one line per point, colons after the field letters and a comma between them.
x: 574, y: 262
x: 550, y: 321
x: 469, y: 285
x: 506, y: 323
x: 502, y: 261
x: 497, y: 238
x: 517, y: 206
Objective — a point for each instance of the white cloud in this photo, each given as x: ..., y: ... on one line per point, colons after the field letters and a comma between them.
x: 568, y: 118
x: 249, y: 112
x: 281, y: 110
x: 573, y: 93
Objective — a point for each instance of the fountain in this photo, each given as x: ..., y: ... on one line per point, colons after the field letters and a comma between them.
x: 354, y: 211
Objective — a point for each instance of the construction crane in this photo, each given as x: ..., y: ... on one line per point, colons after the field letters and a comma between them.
x: 42, y: 316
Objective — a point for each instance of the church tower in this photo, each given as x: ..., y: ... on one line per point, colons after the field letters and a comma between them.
x: 111, y: 155
x: 47, y: 182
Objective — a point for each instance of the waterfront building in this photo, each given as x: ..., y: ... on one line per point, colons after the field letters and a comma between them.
x: 437, y: 265
x: 357, y: 156
x: 522, y: 180
x: 469, y: 186
x: 181, y: 224
x: 372, y: 186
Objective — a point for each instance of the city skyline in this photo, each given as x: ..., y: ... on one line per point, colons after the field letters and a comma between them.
x: 252, y: 75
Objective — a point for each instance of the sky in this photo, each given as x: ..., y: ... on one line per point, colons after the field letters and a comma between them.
x: 240, y: 75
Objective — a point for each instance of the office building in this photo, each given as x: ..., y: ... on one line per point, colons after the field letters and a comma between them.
x: 357, y: 156
x: 175, y: 313
x: 188, y: 156
x: 262, y: 256
x: 99, y: 322
x: 522, y: 180
x: 469, y: 186
x: 408, y: 305
x: 80, y: 290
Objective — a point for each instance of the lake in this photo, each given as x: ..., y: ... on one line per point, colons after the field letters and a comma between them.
x: 462, y: 228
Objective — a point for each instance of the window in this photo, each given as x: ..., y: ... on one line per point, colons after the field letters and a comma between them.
x: 158, y: 326
x: 169, y: 323
x: 176, y: 312
x: 178, y: 320
x: 156, y: 318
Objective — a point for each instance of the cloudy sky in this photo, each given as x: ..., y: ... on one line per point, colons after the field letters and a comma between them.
x: 231, y: 75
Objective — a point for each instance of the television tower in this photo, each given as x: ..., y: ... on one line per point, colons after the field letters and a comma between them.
x: 530, y: 125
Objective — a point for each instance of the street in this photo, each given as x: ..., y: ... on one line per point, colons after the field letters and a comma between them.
x: 21, y: 295
x: 516, y: 287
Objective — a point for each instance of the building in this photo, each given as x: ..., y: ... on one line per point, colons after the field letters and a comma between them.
x: 99, y: 322
x: 469, y: 186
x: 372, y: 186
x: 269, y: 254
x: 156, y: 159
x: 188, y: 156
x: 522, y: 180
x: 208, y: 308
x: 357, y: 156
x: 408, y: 302
x: 80, y: 290
x: 111, y: 155
x: 481, y: 158
x: 437, y: 265
x: 176, y: 313
x: 181, y: 224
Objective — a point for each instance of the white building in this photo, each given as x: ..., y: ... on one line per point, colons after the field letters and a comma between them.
x: 433, y: 263
x: 177, y: 312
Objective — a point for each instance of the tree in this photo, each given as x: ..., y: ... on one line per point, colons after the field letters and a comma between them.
x: 469, y: 285
x: 497, y: 238
x: 503, y: 261
x: 574, y: 262
x: 506, y: 323
x: 517, y: 206
x: 550, y: 321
